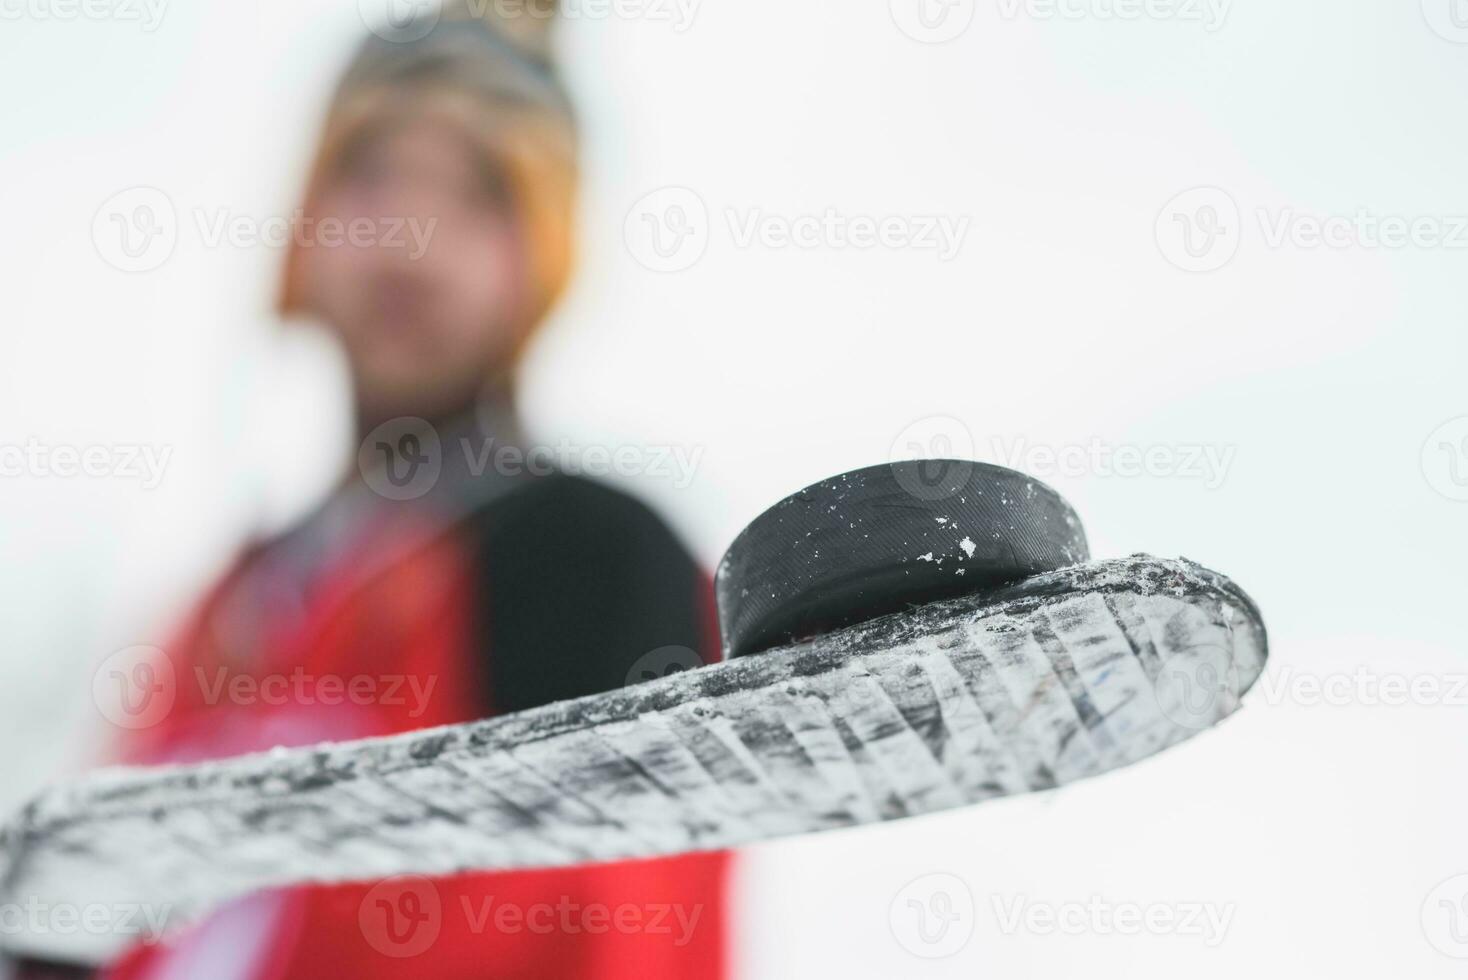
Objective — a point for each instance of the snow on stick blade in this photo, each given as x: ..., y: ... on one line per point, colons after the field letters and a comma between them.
x: 1066, y: 675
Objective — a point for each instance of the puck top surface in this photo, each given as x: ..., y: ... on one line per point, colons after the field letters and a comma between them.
x: 875, y: 540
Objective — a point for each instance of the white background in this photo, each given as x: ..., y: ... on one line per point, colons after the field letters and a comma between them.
x: 1324, y: 372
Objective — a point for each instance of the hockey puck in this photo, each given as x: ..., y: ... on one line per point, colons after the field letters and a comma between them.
x: 874, y: 541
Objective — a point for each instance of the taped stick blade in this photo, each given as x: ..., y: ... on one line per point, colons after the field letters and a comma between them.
x: 1067, y: 675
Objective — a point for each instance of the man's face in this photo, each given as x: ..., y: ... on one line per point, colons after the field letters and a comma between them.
x: 428, y: 294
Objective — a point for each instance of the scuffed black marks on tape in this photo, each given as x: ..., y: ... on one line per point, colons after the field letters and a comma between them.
x: 199, y: 835
x: 429, y: 749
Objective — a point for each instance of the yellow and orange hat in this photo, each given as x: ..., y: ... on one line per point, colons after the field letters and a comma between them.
x: 486, y: 68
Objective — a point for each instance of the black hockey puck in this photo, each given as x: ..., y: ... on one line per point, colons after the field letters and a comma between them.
x: 877, y: 540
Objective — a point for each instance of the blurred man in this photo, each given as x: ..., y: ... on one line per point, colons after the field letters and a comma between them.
x: 445, y: 586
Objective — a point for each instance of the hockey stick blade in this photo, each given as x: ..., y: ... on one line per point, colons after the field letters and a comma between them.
x: 1063, y: 676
